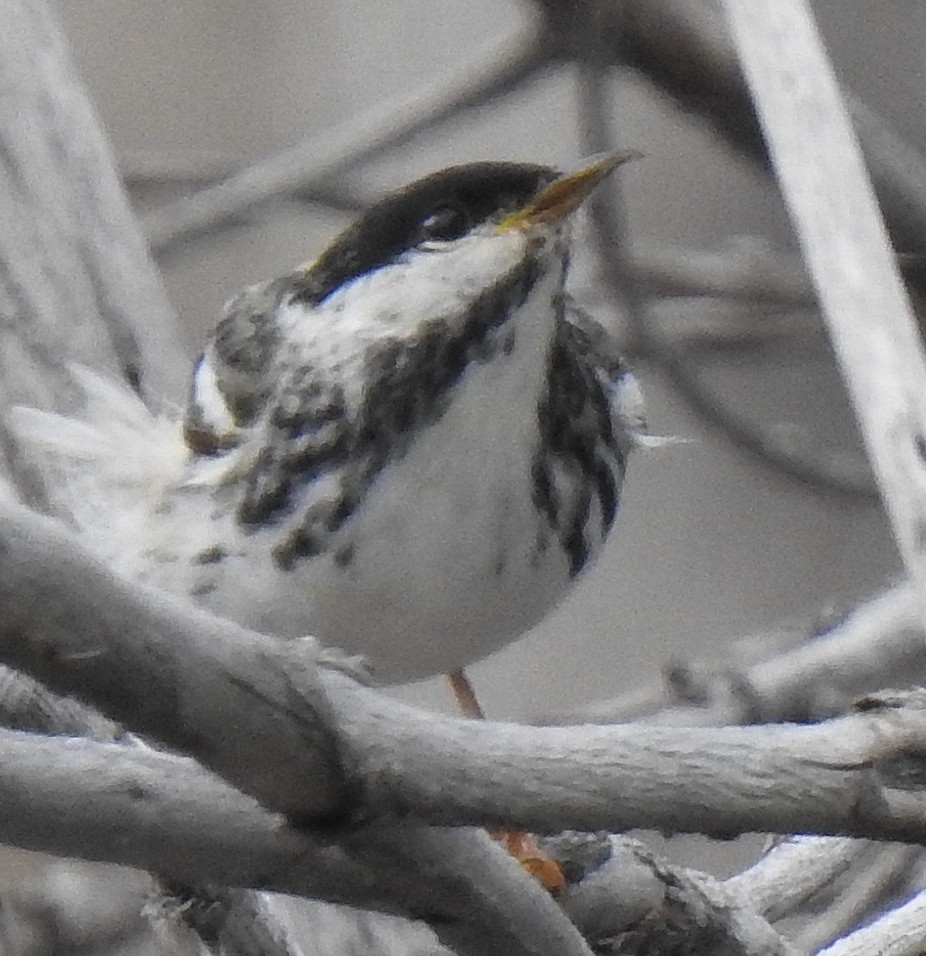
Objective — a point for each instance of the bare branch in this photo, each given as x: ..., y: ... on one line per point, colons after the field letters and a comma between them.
x: 879, y: 643
x: 158, y: 812
x: 683, y: 48
x: 825, y: 185
x: 142, y: 168
x: 491, y: 72
x: 898, y: 933
x: 184, y: 825
x: 167, y: 814
x: 71, y: 255
x: 791, y: 453
x: 313, y: 744
x: 794, y: 871
x: 748, y: 271
x: 870, y: 886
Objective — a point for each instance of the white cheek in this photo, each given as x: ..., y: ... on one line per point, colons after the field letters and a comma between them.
x: 393, y: 302
x: 427, y: 284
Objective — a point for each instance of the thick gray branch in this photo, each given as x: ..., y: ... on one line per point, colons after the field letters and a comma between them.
x: 72, y: 260
x: 158, y: 812
x: 836, y: 216
x: 129, y: 651
x: 164, y: 813
x: 307, y: 739
x: 115, y: 639
x: 900, y: 932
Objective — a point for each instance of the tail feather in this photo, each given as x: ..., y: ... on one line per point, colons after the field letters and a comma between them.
x: 108, y: 399
x: 106, y: 470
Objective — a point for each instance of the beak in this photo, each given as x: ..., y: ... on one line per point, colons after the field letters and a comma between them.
x: 567, y: 192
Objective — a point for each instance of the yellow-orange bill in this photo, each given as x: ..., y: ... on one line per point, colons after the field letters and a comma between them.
x: 567, y: 192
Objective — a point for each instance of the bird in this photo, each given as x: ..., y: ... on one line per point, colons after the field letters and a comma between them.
x: 410, y: 447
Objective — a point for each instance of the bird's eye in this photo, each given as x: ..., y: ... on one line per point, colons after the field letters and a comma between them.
x: 445, y: 223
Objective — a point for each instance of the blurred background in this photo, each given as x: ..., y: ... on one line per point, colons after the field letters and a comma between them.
x: 711, y: 545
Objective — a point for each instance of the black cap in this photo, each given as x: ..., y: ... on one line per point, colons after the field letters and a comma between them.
x: 441, y: 207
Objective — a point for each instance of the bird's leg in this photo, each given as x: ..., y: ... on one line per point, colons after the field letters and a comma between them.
x: 465, y: 695
x: 521, y: 845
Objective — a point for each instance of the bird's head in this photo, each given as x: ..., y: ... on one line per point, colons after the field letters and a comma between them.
x: 453, y: 209
x: 445, y: 258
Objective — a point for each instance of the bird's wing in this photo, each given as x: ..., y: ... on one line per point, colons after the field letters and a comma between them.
x: 297, y: 454
x: 596, y: 349
x: 233, y: 379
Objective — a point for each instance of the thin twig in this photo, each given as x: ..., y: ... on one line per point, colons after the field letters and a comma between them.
x: 492, y: 71
x: 878, y: 643
x: 869, y: 885
x: 684, y: 50
x: 749, y: 271
x: 790, y: 453
x: 143, y: 169
x: 708, y: 329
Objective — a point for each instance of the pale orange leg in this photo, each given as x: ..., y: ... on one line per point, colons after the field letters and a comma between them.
x: 521, y: 845
x: 465, y: 696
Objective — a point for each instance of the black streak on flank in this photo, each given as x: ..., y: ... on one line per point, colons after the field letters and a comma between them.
x: 308, y: 434
x: 409, y: 386
x: 302, y: 543
x: 578, y: 443
x: 545, y: 498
